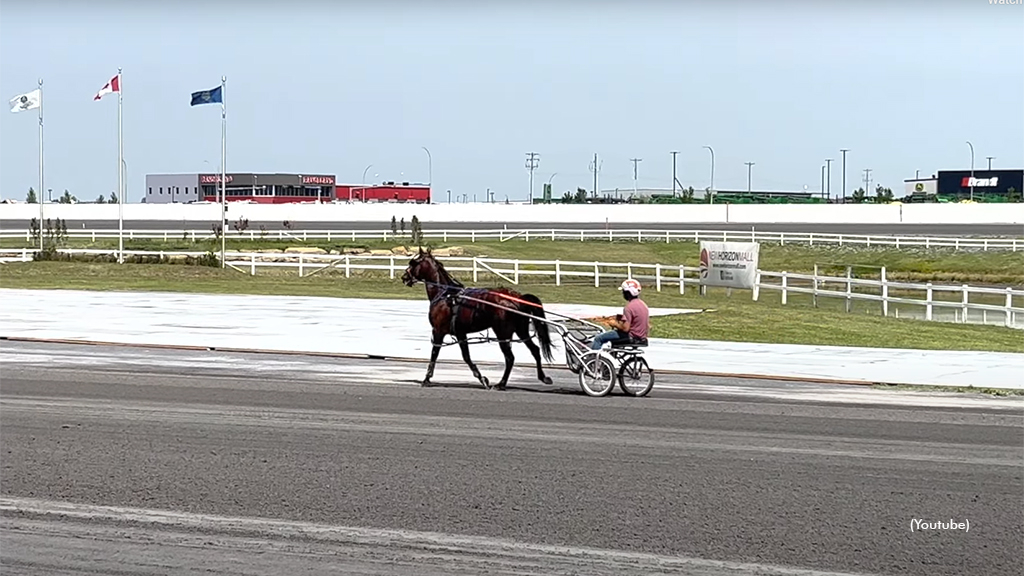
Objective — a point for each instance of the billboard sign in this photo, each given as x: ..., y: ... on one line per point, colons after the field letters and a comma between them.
x: 729, y: 264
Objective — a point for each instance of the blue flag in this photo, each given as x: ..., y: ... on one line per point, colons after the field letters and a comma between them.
x: 207, y: 96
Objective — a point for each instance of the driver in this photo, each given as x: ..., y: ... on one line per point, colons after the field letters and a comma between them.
x: 633, y: 325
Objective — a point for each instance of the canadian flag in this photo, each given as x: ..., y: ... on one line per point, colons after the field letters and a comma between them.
x: 113, y: 86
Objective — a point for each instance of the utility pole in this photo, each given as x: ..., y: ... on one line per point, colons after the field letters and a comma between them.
x: 674, y: 173
x: 844, y: 151
x: 822, y: 180
x: 749, y: 165
x: 635, y: 161
x: 828, y: 178
x: 532, y: 161
x: 595, y: 167
x: 989, y: 158
x: 867, y: 181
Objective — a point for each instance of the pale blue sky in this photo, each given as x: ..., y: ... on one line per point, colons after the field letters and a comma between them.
x: 331, y: 87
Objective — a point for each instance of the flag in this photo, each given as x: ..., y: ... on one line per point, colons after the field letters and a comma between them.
x: 113, y: 86
x: 207, y: 96
x: 23, y: 102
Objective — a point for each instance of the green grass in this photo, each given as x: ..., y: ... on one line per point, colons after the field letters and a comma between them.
x: 734, y: 318
x: 906, y: 264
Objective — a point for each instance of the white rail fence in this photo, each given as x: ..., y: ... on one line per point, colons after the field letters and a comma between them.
x: 581, y: 235
x: 895, y: 298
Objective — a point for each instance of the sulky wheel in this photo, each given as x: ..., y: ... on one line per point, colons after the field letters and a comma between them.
x: 636, y: 377
x: 597, y: 374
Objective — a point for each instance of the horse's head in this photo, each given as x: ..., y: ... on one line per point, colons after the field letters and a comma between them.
x: 421, y: 267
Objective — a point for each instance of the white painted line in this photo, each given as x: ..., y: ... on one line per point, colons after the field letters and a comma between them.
x: 449, y: 544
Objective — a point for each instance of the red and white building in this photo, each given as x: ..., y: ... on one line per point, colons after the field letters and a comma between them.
x: 275, y: 189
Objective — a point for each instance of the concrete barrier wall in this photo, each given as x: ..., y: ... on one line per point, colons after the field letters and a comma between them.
x: 495, y: 214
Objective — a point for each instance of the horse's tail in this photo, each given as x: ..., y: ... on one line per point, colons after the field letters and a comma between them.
x: 543, y: 334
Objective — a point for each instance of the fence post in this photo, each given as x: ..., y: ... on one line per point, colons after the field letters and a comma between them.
x: 1008, y: 322
x: 328, y: 235
x: 757, y: 286
x: 515, y: 267
x: 348, y: 266
x: 629, y: 269
x: 964, y: 303
x: 668, y: 239
x: 252, y: 264
x: 849, y: 288
x: 558, y: 273
x: 475, y: 269
x: 597, y: 275
x: 300, y: 265
x: 785, y: 284
x: 472, y: 235
x: 928, y: 302
x: 391, y: 267
x: 527, y: 235
x: 814, y: 287
x: 682, y: 279
x: 657, y: 276
x: 885, y: 294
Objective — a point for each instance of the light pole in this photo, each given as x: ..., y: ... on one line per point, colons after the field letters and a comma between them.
x: 972, y: 168
x: 749, y: 166
x: 712, y: 189
x: 822, y: 180
x: 989, y: 158
x: 635, y: 161
x: 430, y: 166
x: 674, y: 173
x: 828, y: 178
x: 844, y: 151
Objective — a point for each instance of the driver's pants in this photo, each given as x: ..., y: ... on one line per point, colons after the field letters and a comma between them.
x: 607, y: 337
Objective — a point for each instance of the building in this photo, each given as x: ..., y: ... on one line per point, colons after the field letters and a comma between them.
x: 171, y: 188
x: 260, y: 188
x: 384, y: 192
x: 959, y: 184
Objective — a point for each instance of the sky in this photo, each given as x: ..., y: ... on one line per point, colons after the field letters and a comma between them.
x: 319, y: 87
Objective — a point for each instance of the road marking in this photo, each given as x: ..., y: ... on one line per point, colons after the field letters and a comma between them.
x: 458, y: 547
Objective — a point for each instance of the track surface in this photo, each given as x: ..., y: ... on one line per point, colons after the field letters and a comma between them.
x: 144, y: 462
x: 861, y: 229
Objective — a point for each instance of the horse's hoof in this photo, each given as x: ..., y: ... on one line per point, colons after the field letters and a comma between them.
x: 425, y: 384
x: 485, y: 382
x: 499, y: 387
x: 546, y: 380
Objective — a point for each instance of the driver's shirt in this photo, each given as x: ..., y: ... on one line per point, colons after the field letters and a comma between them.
x: 637, y: 315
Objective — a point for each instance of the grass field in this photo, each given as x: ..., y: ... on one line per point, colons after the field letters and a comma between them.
x: 734, y: 318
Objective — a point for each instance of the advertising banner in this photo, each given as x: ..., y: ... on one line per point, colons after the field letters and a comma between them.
x: 729, y: 264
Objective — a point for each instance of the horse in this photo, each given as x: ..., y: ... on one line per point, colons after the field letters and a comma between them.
x: 449, y: 314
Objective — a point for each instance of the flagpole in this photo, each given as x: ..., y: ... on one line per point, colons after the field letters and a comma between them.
x: 120, y: 173
x: 42, y: 194
x: 223, y: 169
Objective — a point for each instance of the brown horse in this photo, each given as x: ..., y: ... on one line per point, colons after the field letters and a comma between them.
x: 450, y: 313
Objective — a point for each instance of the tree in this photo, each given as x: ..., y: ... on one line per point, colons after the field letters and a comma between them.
x: 101, y: 199
x: 882, y: 195
x: 31, y: 197
x: 417, y: 232
x: 1012, y: 195
x: 858, y: 196
x: 113, y: 198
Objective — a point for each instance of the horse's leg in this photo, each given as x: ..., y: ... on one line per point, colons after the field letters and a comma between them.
x: 464, y: 346
x: 436, y: 339
x: 523, y: 331
x: 506, y: 349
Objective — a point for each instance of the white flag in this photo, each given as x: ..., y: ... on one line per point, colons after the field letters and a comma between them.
x: 28, y: 101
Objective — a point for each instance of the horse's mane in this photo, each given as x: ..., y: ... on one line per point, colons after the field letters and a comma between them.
x: 443, y: 275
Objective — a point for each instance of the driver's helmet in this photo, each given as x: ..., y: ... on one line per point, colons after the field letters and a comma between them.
x: 631, y: 286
